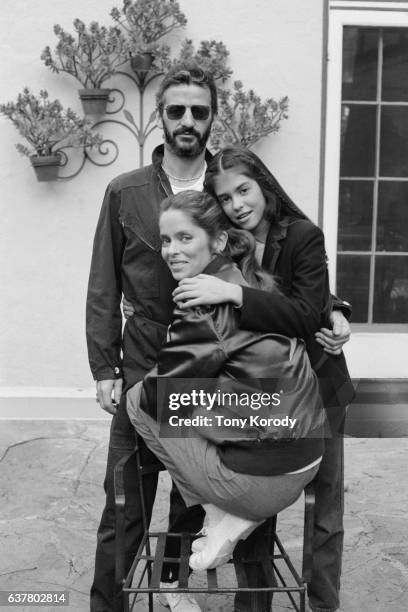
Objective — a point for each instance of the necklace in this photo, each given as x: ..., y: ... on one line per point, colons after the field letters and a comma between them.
x: 184, y: 180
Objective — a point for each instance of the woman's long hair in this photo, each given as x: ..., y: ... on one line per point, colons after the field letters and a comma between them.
x: 205, y: 212
x: 278, y: 203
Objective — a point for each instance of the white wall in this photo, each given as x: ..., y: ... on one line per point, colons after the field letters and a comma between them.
x: 47, y: 228
x: 276, y: 48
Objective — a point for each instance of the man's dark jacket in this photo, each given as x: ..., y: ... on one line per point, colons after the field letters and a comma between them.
x: 126, y: 259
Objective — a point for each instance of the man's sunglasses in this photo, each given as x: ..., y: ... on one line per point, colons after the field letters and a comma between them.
x: 199, y: 111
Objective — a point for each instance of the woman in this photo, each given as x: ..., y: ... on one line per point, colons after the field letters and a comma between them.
x: 235, y: 457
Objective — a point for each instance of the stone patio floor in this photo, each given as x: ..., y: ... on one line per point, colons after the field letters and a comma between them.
x: 51, y: 477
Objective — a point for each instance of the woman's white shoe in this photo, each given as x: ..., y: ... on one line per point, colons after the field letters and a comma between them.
x: 198, y: 544
x: 221, y: 541
x: 213, y: 516
x: 178, y: 602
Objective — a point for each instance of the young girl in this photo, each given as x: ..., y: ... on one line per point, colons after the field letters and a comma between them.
x: 241, y: 474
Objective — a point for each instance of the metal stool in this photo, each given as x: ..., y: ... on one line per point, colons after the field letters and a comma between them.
x: 273, y: 560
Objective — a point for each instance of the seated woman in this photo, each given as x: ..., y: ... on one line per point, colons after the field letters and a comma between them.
x: 241, y: 474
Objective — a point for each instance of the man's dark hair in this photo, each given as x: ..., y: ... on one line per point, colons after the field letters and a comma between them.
x: 188, y: 73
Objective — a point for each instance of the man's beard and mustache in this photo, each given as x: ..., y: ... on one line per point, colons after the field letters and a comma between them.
x: 186, y: 149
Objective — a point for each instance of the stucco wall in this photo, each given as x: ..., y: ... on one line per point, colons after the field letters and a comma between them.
x: 47, y: 228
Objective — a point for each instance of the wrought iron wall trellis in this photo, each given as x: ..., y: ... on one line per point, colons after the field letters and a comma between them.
x: 141, y: 78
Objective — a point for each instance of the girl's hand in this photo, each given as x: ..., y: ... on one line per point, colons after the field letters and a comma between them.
x: 332, y: 340
x: 204, y: 290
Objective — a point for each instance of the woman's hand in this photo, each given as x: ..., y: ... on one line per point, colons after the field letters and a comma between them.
x: 332, y: 340
x: 127, y: 307
x: 204, y: 290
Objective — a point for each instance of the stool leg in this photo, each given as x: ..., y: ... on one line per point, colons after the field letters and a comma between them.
x: 302, y: 607
x: 248, y: 553
x: 308, y: 533
x: 126, y: 603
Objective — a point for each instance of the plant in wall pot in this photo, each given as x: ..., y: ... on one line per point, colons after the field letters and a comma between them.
x: 145, y: 23
x: 243, y: 118
x: 47, y: 126
x: 92, y: 56
x: 211, y: 55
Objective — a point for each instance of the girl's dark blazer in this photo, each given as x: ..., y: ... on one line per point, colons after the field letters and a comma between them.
x: 295, y: 254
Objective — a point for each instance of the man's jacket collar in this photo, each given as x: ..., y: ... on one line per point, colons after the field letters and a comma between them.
x: 145, y: 225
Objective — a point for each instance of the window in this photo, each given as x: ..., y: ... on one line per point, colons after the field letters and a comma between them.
x: 372, y: 240
x: 371, y: 184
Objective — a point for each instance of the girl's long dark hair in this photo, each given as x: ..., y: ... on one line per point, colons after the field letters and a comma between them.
x: 204, y: 211
x: 278, y: 203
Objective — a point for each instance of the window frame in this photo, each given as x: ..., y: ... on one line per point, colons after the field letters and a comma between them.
x: 374, y: 13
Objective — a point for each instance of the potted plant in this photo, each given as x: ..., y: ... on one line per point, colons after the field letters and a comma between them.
x: 146, y: 22
x: 211, y: 55
x: 244, y: 119
x: 91, y: 56
x: 46, y: 125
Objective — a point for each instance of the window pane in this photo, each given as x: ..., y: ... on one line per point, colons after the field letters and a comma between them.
x: 391, y: 290
x: 394, y: 141
x: 392, y: 224
x: 358, y: 125
x: 395, y: 66
x: 354, y: 286
x: 355, y: 215
x: 360, y: 57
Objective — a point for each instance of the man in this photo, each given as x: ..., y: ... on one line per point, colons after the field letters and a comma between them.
x: 126, y: 260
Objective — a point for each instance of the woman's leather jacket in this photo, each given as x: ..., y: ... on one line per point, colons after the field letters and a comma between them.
x: 206, y: 350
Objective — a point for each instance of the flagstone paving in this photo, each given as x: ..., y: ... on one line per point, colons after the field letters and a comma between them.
x: 51, y: 475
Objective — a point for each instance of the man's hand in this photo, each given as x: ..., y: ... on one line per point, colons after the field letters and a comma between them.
x: 332, y: 340
x: 204, y: 290
x: 104, y: 389
x: 127, y: 307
